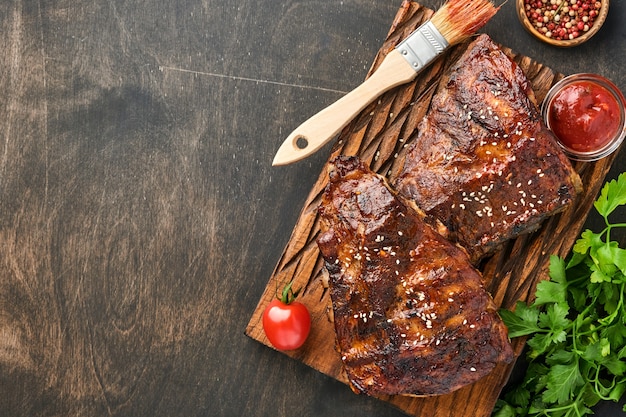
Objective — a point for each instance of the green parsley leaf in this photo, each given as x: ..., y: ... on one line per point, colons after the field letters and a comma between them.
x: 579, y: 298
x: 562, y: 381
x: 589, y: 396
x: 503, y: 409
x: 598, y: 276
x: 522, y: 322
x: 520, y: 396
x: 616, y: 333
x: 536, y: 375
x: 576, y: 259
x: 557, y: 270
x: 603, y: 257
x: 555, y: 289
x: 538, y: 344
x: 550, y: 292
x: 614, y: 365
x: 555, y: 318
x: 595, y: 352
x: 587, y: 241
x: 617, y: 391
x: 609, y: 295
x: 561, y: 356
x: 613, y: 194
x: 618, y: 257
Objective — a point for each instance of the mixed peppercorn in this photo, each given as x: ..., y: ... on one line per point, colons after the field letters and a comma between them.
x: 562, y: 19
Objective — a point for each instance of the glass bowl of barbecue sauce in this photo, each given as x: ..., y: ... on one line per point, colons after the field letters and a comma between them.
x: 586, y: 114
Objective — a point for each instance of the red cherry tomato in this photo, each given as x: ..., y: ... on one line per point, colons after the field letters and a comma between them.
x: 286, y: 322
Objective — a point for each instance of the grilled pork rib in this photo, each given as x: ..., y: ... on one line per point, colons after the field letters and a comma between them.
x: 411, y: 315
x: 483, y: 163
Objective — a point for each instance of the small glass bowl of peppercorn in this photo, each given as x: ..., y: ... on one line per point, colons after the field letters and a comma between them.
x: 563, y: 23
x: 586, y: 113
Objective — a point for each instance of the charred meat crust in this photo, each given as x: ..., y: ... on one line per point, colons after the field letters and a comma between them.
x: 483, y: 163
x: 411, y: 315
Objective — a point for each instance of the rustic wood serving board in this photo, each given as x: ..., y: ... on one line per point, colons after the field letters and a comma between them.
x: 379, y: 135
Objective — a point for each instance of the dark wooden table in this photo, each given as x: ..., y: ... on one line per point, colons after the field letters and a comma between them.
x: 140, y: 217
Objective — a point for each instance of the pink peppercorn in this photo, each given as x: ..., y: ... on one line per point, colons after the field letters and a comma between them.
x: 562, y: 19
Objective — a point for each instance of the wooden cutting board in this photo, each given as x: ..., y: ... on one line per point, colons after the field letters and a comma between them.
x: 379, y: 135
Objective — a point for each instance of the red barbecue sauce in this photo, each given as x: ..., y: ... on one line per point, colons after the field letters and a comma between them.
x: 584, y: 115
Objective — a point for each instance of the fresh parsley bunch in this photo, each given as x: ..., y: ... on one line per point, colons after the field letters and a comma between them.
x: 576, y: 326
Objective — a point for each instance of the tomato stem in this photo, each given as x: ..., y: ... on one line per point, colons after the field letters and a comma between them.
x: 288, y: 295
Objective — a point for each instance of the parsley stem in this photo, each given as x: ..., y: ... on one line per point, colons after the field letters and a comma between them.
x: 599, y: 388
x: 609, y: 227
x: 613, y: 225
x: 575, y: 335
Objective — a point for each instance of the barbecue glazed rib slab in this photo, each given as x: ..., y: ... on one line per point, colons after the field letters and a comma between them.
x: 411, y: 315
x: 483, y: 163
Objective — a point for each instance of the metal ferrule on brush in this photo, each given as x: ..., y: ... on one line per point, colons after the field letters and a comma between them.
x: 422, y: 46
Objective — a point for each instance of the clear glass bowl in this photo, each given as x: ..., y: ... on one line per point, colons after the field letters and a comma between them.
x: 616, y: 139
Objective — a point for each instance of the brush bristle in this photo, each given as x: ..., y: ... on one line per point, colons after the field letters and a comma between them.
x: 456, y: 20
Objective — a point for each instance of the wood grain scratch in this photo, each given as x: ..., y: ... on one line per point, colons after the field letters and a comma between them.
x: 254, y: 80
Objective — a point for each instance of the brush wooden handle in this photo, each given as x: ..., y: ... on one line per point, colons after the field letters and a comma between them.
x: 318, y: 130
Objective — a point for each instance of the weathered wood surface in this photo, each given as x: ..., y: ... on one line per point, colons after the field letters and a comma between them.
x: 140, y: 217
x: 380, y: 135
